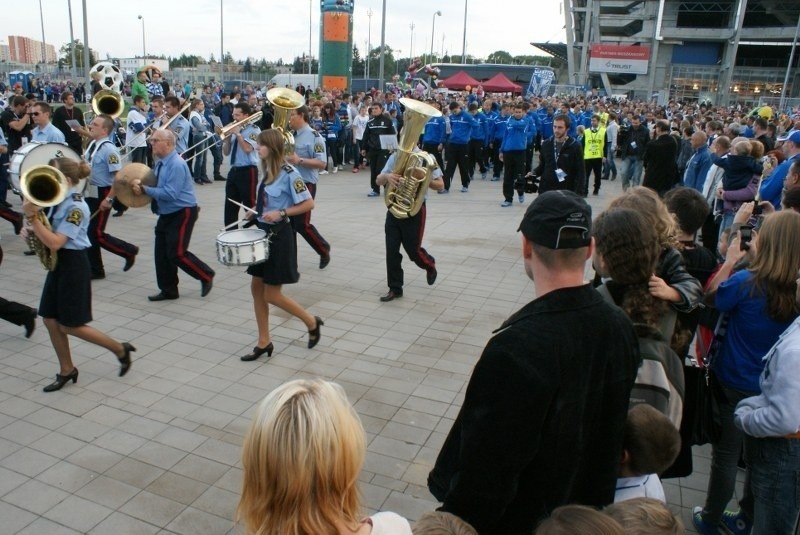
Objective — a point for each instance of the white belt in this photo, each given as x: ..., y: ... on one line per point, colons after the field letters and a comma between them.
x: 91, y: 192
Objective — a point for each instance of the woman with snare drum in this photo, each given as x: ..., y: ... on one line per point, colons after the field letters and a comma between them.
x: 66, y: 304
x: 282, y: 193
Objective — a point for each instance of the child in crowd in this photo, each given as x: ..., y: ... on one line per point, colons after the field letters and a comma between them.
x: 359, y: 125
x: 645, y: 516
x: 579, y: 519
x: 741, y: 178
x: 649, y: 446
x: 442, y: 523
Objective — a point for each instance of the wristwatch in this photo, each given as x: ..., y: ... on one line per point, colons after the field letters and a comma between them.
x: 282, y: 213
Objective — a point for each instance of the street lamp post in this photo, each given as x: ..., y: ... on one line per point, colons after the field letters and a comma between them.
x: 397, y: 61
x: 411, y: 51
x: 381, y: 64
x: 221, y: 47
x: 144, y: 48
x: 464, y: 42
x: 433, y: 27
x: 73, y: 70
x: 369, y: 40
x: 44, y: 46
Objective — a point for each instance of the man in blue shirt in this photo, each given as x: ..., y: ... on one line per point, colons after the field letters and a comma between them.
x: 104, y: 159
x: 45, y: 131
x: 461, y: 123
x: 698, y: 165
x: 242, y: 146
x: 175, y: 203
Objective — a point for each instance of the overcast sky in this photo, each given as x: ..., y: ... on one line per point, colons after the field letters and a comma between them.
x: 275, y: 29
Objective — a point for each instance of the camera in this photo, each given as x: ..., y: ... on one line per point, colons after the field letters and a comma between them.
x: 531, y: 184
x: 745, y: 235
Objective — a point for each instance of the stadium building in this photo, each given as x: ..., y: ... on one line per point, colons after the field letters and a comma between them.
x: 723, y: 51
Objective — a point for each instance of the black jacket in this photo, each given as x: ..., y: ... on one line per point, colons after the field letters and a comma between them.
x: 640, y: 136
x: 570, y: 160
x: 660, y: 164
x: 376, y: 127
x: 542, y: 420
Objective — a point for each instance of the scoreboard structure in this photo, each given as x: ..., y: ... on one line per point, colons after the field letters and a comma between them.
x: 336, y: 44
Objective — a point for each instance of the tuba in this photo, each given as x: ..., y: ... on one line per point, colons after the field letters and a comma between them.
x: 284, y: 100
x: 406, y: 200
x: 44, y: 186
x: 108, y: 102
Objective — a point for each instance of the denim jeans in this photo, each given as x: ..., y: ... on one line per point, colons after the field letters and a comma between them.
x: 610, y: 168
x: 724, y: 458
x: 774, y: 466
x: 199, y: 162
x: 726, y: 222
x: 631, y: 172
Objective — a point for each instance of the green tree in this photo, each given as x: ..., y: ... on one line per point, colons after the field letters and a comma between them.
x: 66, y: 54
x: 359, y: 65
x: 248, y: 66
x: 500, y: 56
x: 300, y: 65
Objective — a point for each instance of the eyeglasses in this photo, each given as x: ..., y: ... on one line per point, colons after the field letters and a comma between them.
x: 36, y: 113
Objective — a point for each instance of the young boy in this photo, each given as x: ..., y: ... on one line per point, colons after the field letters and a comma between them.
x: 650, y: 444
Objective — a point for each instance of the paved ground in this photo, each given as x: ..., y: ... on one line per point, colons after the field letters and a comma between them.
x: 158, y: 450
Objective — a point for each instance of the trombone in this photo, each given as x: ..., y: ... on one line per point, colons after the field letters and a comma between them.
x: 152, y: 127
x: 223, y: 132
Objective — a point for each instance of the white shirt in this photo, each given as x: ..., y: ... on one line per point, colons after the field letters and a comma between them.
x: 132, y: 139
x: 648, y: 486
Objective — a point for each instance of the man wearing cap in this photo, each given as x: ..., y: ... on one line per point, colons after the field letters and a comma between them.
x: 542, y: 420
x: 772, y: 187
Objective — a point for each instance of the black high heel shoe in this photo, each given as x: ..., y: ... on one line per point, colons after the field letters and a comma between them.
x: 61, y: 380
x: 313, y: 334
x: 257, y: 352
x: 125, y: 360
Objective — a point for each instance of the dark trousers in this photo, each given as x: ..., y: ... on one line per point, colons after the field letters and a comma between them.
x: 216, y: 154
x: 514, y: 161
x: 173, y: 233
x: 710, y: 233
x: 433, y: 150
x: 334, y: 151
x: 302, y: 225
x: 476, y: 156
x: 5, y: 180
x: 377, y: 159
x: 100, y: 239
x: 241, y: 187
x: 456, y: 156
x: 529, y: 158
x: 14, y: 312
x: 497, y: 165
x: 408, y: 233
x: 594, y: 165
x: 15, y: 218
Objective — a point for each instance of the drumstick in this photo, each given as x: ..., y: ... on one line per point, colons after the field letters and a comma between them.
x: 243, y: 206
x: 235, y: 223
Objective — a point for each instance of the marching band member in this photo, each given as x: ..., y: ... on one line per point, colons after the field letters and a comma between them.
x: 179, y: 126
x: 104, y: 159
x: 44, y: 132
x: 243, y: 176
x: 176, y: 205
x: 66, y: 303
x: 309, y: 159
x: 15, y: 218
x: 281, y: 194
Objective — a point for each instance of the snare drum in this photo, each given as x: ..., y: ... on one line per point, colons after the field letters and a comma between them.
x: 35, y: 153
x: 242, y: 247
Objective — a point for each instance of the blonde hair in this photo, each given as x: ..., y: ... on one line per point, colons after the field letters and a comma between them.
x: 442, y: 523
x: 742, y: 148
x: 273, y: 140
x: 572, y: 519
x: 301, y: 459
x: 647, y: 203
x: 72, y: 169
x: 645, y: 516
x: 776, y: 264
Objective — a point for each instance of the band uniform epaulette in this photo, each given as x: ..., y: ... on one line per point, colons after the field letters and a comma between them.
x: 288, y: 168
x: 316, y: 133
x: 77, y: 197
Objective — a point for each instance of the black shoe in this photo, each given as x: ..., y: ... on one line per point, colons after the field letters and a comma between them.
x: 29, y: 252
x: 219, y: 179
x: 17, y: 225
x: 162, y: 297
x: 205, y: 287
x: 125, y: 360
x: 99, y: 275
x: 314, y: 334
x: 431, y: 276
x: 61, y: 380
x: 5, y: 204
x: 30, y: 324
x: 390, y: 296
x: 206, y: 181
x: 324, y: 260
x: 257, y: 352
x: 118, y: 213
x: 130, y: 261
x: 596, y: 191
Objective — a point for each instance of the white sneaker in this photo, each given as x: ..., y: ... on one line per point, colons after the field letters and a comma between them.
x: 324, y: 172
x: 335, y: 170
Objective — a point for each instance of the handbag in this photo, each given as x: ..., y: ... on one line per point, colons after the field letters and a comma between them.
x: 702, y: 387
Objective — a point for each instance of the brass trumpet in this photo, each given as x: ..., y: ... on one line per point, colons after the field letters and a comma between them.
x: 108, y: 102
x: 223, y: 133
x: 284, y: 100
x: 44, y: 186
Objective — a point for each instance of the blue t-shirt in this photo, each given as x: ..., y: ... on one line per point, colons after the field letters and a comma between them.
x: 750, y: 335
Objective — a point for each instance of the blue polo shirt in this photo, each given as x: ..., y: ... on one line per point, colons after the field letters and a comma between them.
x: 175, y: 188
x: 48, y: 134
x: 309, y: 145
x: 105, y: 161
